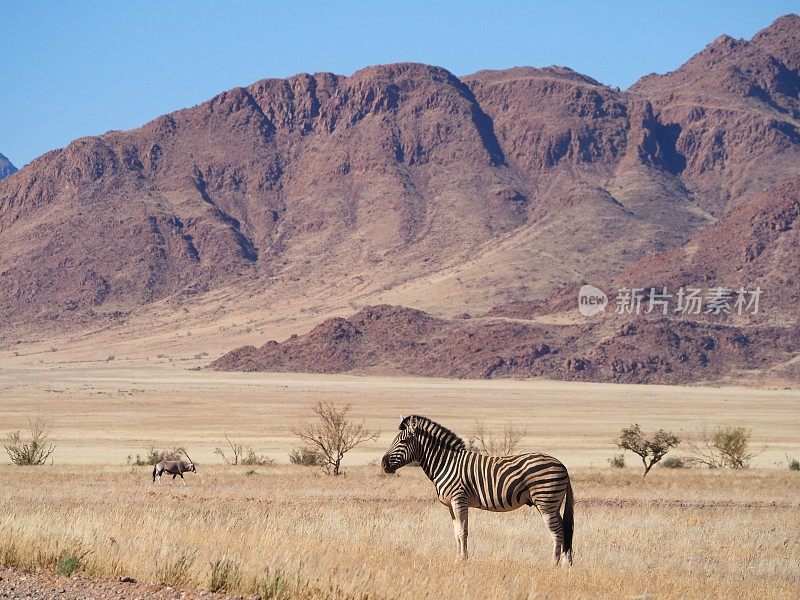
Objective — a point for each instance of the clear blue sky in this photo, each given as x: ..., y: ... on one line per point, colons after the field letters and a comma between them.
x: 69, y: 69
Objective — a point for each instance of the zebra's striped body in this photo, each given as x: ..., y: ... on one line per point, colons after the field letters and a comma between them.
x: 465, y: 479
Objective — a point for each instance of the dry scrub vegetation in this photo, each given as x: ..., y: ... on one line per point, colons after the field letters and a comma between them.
x: 289, y: 532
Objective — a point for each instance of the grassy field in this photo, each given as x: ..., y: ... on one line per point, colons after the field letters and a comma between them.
x: 289, y: 532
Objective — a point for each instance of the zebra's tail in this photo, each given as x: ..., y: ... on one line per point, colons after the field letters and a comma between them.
x: 569, y: 523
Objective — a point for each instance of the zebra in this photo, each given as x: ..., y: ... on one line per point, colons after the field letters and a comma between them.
x: 465, y: 479
x: 174, y: 468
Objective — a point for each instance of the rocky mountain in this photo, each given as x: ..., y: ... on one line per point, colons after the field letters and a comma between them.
x: 6, y: 168
x: 390, y: 339
x: 405, y: 184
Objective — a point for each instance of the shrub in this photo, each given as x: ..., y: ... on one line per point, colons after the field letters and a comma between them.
x: 332, y: 434
x: 485, y: 443
x: 617, y: 461
x: 251, y: 459
x: 651, y: 449
x: 306, y: 457
x: 794, y: 464
x: 67, y: 564
x: 33, y: 451
x: 240, y: 456
x: 155, y: 456
x: 726, y: 447
x: 674, y: 462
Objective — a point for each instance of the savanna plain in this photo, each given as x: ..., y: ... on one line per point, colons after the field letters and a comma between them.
x: 285, y: 531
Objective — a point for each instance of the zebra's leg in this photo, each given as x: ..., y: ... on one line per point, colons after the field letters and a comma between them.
x: 556, y: 527
x: 455, y: 528
x: 460, y: 512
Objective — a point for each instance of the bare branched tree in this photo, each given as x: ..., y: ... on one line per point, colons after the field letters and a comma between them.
x: 33, y: 451
x: 726, y: 447
x: 485, y: 443
x: 237, y: 451
x: 332, y: 434
x: 651, y: 449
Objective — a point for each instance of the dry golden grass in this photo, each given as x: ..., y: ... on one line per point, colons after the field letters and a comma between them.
x: 690, y: 534
x: 289, y: 532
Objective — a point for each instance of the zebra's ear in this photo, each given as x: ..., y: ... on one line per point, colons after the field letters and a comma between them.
x: 412, y: 425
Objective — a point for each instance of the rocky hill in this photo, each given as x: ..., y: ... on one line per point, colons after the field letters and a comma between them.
x: 390, y: 339
x: 405, y: 184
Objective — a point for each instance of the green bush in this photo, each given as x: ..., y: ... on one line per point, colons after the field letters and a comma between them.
x: 68, y: 564
x: 32, y: 451
x: 674, y: 462
x: 794, y: 465
x: 617, y: 461
x: 727, y: 447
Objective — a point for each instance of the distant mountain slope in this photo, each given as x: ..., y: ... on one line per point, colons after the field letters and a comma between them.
x: 405, y: 184
x: 6, y: 168
x: 756, y: 245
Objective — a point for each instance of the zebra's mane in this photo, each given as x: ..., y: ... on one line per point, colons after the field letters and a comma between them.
x: 439, y: 434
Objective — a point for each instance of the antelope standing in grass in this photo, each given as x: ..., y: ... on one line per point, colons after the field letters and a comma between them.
x: 174, y: 468
x: 465, y: 479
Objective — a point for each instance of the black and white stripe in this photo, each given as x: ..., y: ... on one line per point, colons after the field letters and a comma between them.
x: 465, y: 480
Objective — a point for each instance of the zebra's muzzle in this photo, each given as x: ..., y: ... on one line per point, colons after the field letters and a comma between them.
x: 386, y: 467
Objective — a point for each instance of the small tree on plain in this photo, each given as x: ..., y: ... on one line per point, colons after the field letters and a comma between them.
x: 726, y: 447
x: 332, y: 434
x: 485, y: 443
x: 33, y: 451
x: 237, y: 451
x: 651, y: 449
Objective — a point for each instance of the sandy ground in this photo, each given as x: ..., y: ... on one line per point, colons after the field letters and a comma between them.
x: 20, y: 584
x: 103, y: 412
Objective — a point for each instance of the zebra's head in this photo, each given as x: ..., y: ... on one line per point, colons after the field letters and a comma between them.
x: 404, y: 448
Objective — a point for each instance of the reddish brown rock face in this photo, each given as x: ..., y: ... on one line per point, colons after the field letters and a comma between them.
x: 392, y: 339
x: 523, y: 183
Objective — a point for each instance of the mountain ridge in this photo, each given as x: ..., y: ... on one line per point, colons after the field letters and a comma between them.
x: 399, y: 184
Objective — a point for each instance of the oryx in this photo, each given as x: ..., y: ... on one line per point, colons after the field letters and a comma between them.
x: 174, y: 468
